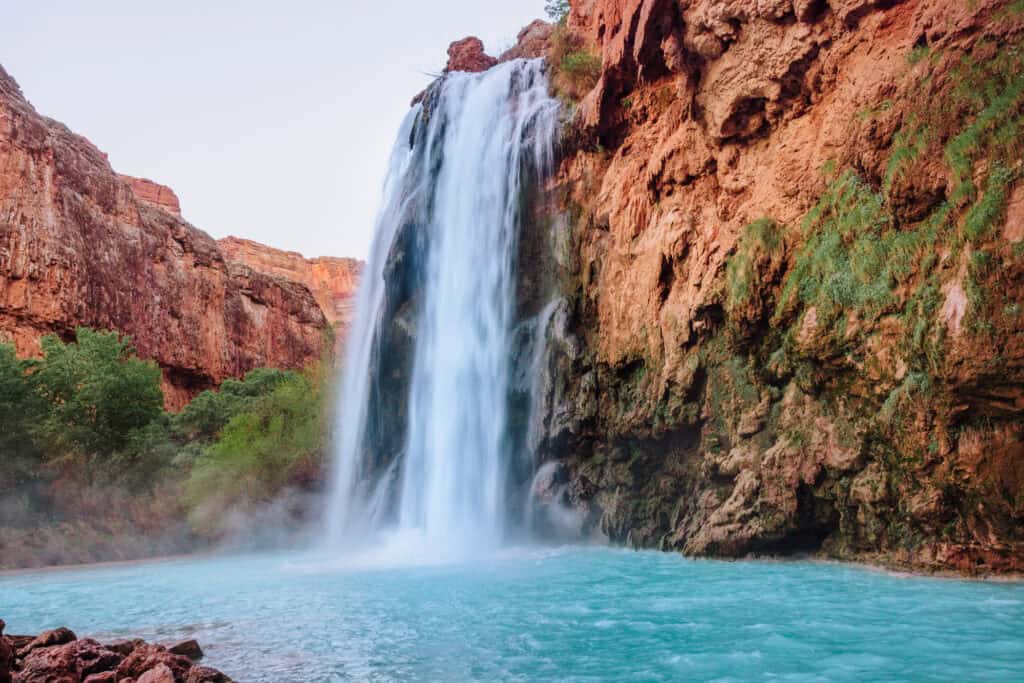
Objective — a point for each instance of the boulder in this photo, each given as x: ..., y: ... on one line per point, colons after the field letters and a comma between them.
x: 72, y: 661
x: 126, y: 647
x: 204, y: 674
x: 104, y: 677
x: 57, y: 636
x: 468, y: 55
x: 6, y: 656
x: 187, y: 648
x: 161, y: 673
x: 147, y: 657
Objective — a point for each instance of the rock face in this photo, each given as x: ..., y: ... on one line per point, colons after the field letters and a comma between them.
x: 333, y: 281
x: 789, y: 254
x: 158, y: 195
x: 468, y: 55
x: 82, y: 246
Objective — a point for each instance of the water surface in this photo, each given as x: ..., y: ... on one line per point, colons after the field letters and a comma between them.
x: 568, y: 614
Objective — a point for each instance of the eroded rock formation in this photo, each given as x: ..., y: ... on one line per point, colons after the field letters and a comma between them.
x: 791, y: 274
x: 82, y: 246
x: 333, y: 281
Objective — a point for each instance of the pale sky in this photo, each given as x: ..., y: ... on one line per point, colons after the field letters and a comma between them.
x: 270, y: 120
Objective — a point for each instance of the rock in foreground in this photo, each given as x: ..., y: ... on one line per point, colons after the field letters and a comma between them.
x: 60, y: 656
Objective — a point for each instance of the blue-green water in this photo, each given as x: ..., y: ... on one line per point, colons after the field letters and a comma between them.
x: 566, y: 614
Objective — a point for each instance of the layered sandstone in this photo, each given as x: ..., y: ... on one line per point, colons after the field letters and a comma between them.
x: 153, y: 193
x: 332, y: 281
x: 791, y: 274
x: 82, y: 246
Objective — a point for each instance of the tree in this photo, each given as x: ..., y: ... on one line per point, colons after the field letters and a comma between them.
x: 99, y: 392
x: 207, y: 414
x: 21, y: 411
x: 557, y: 10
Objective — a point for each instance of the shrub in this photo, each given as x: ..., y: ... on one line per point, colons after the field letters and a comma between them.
x: 575, y: 70
x: 557, y: 10
x: 259, y: 450
x: 207, y: 414
x: 21, y: 410
x: 98, y: 392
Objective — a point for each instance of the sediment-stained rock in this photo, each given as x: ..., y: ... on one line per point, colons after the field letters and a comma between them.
x: 792, y: 277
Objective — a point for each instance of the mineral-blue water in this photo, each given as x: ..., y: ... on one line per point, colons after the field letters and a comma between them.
x: 565, y: 614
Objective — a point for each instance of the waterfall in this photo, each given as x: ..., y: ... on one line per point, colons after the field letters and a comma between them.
x: 422, y: 438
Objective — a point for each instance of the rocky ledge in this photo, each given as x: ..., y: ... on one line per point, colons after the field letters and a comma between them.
x: 59, y: 656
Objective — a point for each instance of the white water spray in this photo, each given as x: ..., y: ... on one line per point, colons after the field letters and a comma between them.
x: 457, y: 182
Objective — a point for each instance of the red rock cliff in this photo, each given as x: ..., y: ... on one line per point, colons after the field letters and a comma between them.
x: 793, y: 277
x: 333, y: 281
x: 82, y: 246
x: 153, y: 193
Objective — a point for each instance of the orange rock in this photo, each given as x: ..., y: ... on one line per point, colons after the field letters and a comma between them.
x: 153, y: 193
x: 468, y: 55
x: 710, y: 115
x: 332, y: 281
x: 80, y: 246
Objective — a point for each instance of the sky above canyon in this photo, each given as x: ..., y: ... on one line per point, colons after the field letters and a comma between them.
x: 270, y: 120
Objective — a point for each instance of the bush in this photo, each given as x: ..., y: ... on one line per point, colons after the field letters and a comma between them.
x: 98, y: 392
x: 557, y: 10
x: 259, y: 450
x: 21, y: 411
x: 575, y: 69
x: 210, y: 411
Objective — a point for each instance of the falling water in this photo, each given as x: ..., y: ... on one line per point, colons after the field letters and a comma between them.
x: 449, y: 224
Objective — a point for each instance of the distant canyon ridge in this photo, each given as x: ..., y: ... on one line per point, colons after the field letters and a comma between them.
x: 81, y: 245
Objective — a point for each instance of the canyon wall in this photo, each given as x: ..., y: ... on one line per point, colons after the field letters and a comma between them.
x: 82, y: 246
x: 332, y: 281
x: 787, y: 239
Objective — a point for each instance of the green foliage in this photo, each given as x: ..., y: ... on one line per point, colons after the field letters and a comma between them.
x: 984, y: 214
x: 210, y: 411
x: 992, y: 89
x: 21, y: 410
x: 583, y: 68
x: 259, y: 449
x: 918, y: 53
x: 575, y: 70
x: 907, y: 146
x: 557, y: 10
x: 852, y: 256
x: 759, y: 240
x: 98, y: 392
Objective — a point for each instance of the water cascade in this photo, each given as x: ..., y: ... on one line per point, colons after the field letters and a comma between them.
x: 423, y: 428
